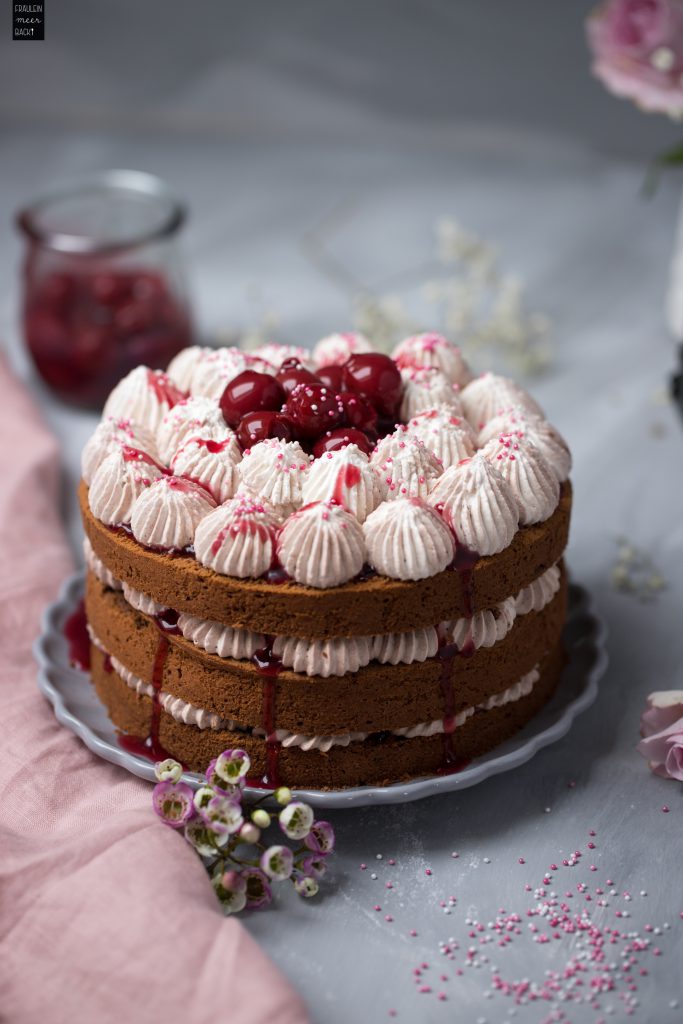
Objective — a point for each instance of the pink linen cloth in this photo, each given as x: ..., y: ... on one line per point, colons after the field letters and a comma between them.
x: 105, y: 914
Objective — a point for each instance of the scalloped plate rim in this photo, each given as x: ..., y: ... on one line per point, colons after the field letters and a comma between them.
x: 54, y: 672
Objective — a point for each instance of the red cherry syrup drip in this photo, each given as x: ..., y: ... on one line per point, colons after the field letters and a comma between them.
x: 347, y: 477
x: 446, y: 656
x: 151, y: 747
x: 269, y: 666
x: 164, y: 388
x: 464, y: 563
x: 76, y: 633
x: 276, y: 575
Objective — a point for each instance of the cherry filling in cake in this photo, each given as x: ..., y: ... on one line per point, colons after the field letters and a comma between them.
x: 349, y: 564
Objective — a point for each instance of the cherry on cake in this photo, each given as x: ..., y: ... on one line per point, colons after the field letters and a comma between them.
x: 346, y: 563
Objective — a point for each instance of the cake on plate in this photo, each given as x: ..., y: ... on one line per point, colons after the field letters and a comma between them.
x: 346, y: 563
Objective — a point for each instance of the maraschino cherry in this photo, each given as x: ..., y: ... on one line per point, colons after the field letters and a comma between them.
x: 340, y: 438
x: 377, y: 377
x: 250, y: 391
x: 313, y: 408
x: 332, y: 376
x: 358, y: 412
x: 259, y: 426
x: 292, y: 373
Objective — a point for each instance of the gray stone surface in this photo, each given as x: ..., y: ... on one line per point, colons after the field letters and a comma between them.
x: 566, y: 212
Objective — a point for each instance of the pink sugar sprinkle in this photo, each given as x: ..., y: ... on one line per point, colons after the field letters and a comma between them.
x: 521, y: 860
x: 428, y: 871
x: 377, y: 906
x: 665, y: 809
x: 388, y: 917
x: 592, y: 832
x: 392, y: 861
x: 363, y: 867
x: 412, y: 933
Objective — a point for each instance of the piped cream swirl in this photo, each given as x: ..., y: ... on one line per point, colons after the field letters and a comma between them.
x: 322, y: 545
x: 335, y: 657
x: 144, y: 396
x: 488, y: 395
x: 478, y: 504
x: 211, y: 463
x: 276, y: 470
x: 345, y: 476
x: 529, y: 475
x: 118, y: 482
x: 237, y: 539
x: 538, y: 593
x: 215, y: 638
x: 548, y: 440
x: 98, y: 568
x: 335, y: 349
x: 411, y: 471
x: 427, y: 388
x: 182, y: 367
x: 109, y: 434
x: 448, y: 437
x: 194, y: 417
x: 484, y: 629
x: 405, y: 648
x: 433, y: 350
x: 408, y: 540
x: 167, y: 514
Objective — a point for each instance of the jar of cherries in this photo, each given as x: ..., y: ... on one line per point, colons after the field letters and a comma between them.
x: 104, y: 287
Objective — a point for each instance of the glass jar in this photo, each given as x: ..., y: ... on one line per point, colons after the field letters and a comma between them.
x: 104, y: 286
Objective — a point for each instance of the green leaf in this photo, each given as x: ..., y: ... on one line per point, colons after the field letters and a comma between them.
x: 669, y: 158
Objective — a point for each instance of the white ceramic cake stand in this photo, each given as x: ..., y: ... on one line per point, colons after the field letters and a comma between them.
x: 77, y: 706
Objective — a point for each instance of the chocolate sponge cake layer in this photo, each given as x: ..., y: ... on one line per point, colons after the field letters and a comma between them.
x: 369, y: 606
x: 377, y: 697
x: 380, y: 759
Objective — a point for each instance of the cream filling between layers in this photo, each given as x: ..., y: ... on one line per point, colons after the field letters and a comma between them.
x: 339, y: 656
x: 190, y: 714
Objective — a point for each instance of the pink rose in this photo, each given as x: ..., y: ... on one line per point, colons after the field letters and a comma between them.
x: 661, y: 727
x: 638, y: 52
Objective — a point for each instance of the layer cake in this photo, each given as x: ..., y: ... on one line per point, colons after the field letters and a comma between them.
x: 349, y: 565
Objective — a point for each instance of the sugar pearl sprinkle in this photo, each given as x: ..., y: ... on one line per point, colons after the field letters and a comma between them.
x: 596, y: 960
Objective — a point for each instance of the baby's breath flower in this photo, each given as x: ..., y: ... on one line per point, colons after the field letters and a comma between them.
x: 232, y: 766
x: 223, y: 815
x: 277, y: 862
x: 259, y: 893
x: 249, y: 833
x: 321, y: 837
x: 283, y: 796
x: 168, y: 770
x: 296, y: 820
x: 172, y: 801
x: 306, y: 886
x: 314, y: 866
x: 231, y: 890
x: 202, y: 839
x: 260, y: 817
